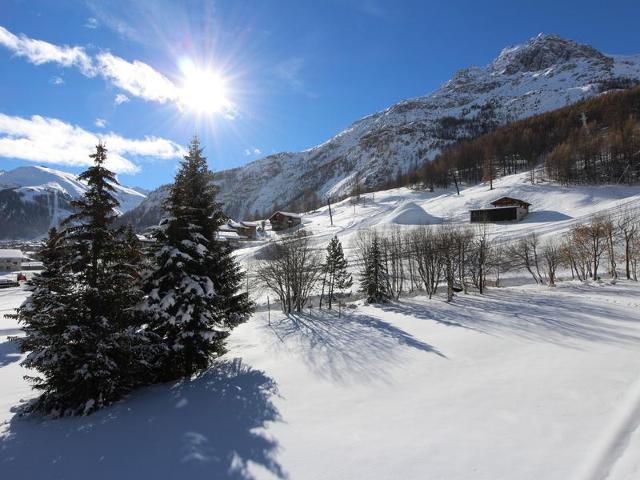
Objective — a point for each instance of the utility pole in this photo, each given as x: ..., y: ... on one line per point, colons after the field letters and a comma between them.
x: 329, y: 205
x: 269, y: 309
x: 455, y: 181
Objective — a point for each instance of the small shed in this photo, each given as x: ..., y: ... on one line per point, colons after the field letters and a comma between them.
x: 283, y: 220
x: 505, y: 209
x: 247, y: 230
x: 10, y: 260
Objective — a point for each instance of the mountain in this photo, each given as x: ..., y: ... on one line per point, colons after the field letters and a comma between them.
x: 543, y: 74
x: 35, y: 198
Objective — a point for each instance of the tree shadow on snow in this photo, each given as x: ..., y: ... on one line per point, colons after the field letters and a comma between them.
x: 351, y: 348
x: 539, y: 316
x: 206, y: 428
x: 9, y: 353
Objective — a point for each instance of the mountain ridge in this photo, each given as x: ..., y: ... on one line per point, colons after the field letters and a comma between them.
x: 542, y: 74
x: 35, y: 198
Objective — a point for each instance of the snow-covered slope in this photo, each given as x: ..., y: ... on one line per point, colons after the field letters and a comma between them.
x: 554, y: 210
x: 34, y: 198
x: 543, y: 74
x: 523, y: 383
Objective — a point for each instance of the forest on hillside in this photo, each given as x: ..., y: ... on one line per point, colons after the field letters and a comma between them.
x: 595, y: 141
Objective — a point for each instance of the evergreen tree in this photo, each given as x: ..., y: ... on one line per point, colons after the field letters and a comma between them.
x: 44, y: 316
x: 88, y: 347
x: 374, y: 278
x: 193, y: 286
x: 337, y: 277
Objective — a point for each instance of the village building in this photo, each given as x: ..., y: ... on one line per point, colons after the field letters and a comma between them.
x: 505, y: 209
x: 248, y: 230
x: 284, y: 220
x: 10, y: 260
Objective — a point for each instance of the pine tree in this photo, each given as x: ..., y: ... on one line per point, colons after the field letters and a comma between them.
x: 193, y: 286
x: 88, y: 348
x: 337, y: 276
x: 374, y: 278
x: 44, y: 316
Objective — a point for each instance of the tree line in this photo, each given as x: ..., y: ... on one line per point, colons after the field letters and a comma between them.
x: 593, y: 141
x: 107, y: 315
x: 447, y: 257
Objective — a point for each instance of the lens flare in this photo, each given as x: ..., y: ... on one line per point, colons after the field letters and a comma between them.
x: 203, y: 90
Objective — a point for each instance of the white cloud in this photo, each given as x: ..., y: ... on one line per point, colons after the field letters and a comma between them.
x: 120, y: 99
x: 57, y: 80
x: 49, y: 140
x: 39, y: 52
x: 252, y: 151
x: 137, y: 78
x: 100, y: 123
x: 91, y: 23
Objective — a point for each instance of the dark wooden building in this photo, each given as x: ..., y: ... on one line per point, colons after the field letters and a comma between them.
x: 505, y: 209
x: 283, y: 220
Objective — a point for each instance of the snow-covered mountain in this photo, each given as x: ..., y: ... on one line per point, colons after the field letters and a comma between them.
x: 543, y: 74
x: 34, y: 198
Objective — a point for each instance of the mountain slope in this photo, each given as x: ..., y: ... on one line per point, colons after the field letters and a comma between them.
x: 543, y: 74
x: 35, y: 198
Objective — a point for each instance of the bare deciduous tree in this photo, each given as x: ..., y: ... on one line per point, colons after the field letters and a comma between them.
x: 291, y: 270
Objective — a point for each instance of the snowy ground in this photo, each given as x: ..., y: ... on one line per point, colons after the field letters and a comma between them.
x: 523, y: 383
x: 554, y: 209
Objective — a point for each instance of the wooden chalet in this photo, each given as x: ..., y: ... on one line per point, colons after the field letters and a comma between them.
x: 284, y: 220
x: 505, y: 209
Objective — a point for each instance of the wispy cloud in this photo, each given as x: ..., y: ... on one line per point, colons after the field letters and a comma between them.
x: 49, y: 140
x: 290, y: 71
x: 100, y: 123
x: 91, y: 23
x: 120, y: 99
x: 57, y: 80
x: 135, y: 78
x: 252, y: 151
x: 39, y: 52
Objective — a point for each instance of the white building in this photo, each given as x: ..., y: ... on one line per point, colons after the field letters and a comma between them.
x: 10, y: 260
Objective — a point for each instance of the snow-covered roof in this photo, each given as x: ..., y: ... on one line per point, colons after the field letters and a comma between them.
x: 249, y: 224
x: 514, y: 200
x: 490, y: 209
x: 10, y: 253
x: 32, y: 264
x: 287, y: 214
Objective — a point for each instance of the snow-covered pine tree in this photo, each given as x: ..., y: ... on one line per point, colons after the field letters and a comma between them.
x: 193, y: 300
x: 44, y: 316
x: 335, y: 268
x: 374, y: 278
x: 88, y: 351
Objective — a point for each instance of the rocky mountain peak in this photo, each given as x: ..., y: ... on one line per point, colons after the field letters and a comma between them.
x: 544, y: 51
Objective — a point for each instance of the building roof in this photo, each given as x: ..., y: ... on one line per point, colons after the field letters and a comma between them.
x: 10, y: 253
x: 249, y: 224
x: 492, y: 209
x: 286, y: 214
x: 514, y: 200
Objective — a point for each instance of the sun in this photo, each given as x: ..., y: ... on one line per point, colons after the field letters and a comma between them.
x: 203, y: 90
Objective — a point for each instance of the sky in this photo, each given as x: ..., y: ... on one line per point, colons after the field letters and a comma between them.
x: 249, y: 77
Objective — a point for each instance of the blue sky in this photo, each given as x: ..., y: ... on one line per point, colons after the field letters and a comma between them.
x: 293, y: 73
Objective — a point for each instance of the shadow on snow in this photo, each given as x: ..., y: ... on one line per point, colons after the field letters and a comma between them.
x: 555, y: 315
x: 9, y: 353
x: 205, y: 428
x: 351, y: 348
